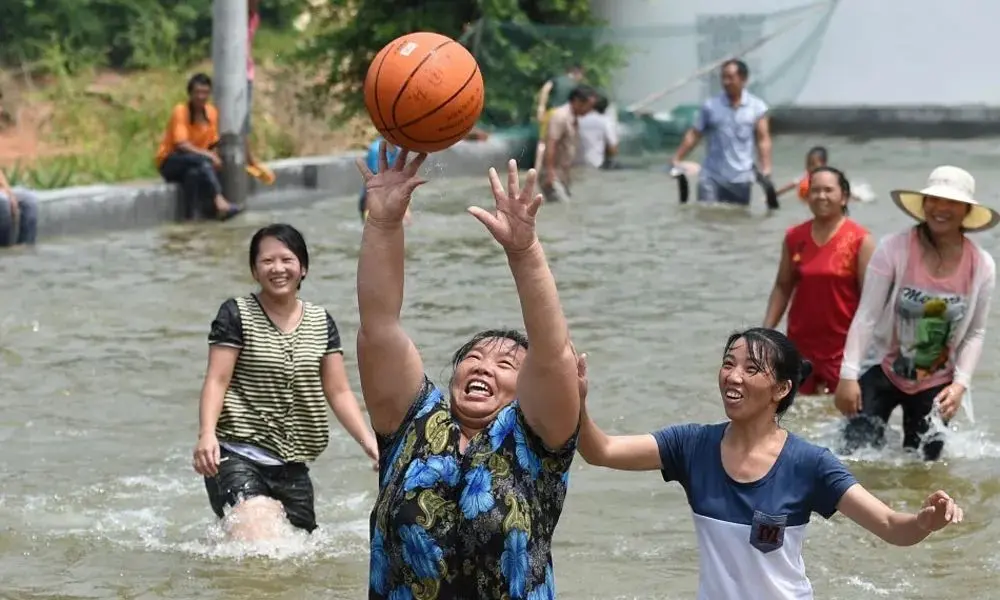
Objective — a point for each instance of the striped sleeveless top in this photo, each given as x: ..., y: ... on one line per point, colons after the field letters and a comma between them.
x: 275, y: 400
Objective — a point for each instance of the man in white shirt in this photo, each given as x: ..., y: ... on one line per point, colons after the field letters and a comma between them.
x: 598, y: 136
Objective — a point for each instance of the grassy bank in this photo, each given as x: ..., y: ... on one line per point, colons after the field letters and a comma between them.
x: 104, y: 126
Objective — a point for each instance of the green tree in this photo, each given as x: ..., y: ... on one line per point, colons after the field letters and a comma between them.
x: 72, y: 34
x: 518, y: 44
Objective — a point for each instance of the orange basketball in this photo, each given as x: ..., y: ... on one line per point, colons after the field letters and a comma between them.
x: 424, y: 92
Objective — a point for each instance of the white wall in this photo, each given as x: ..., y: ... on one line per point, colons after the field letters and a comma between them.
x: 873, y: 52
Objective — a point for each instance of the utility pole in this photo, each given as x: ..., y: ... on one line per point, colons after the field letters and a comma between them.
x: 229, y: 64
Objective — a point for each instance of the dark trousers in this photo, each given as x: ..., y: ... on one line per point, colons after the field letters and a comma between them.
x: 879, y: 397
x: 198, y: 180
x: 240, y: 478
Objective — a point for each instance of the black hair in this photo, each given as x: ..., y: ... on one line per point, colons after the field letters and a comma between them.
x: 488, y: 334
x: 842, y: 182
x: 773, y: 353
x: 195, y: 80
x: 602, y: 104
x: 582, y: 92
x: 287, y: 235
x: 819, y: 152
x: 741, y: 67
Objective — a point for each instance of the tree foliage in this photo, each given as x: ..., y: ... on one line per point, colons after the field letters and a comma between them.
x: 519, y: 44
x: 71, y: 34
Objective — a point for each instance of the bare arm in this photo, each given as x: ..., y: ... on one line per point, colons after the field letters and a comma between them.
x: 337, y: 390
x: 189, y: 147
x: 221, y: 362
x: 546, y: 382
x: 622, y: 452
x: 791, y: 185
x: 781, y: 293
x: 864, y: 257
x: 763, y: 130
x: 691, y: 138
x: 390, y: 366
x: 896, y: 528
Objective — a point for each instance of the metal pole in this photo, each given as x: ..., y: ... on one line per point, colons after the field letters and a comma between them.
x: 229, y: 63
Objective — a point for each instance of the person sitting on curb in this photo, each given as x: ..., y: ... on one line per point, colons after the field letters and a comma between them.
x: 187, y: 153
x: 18, y: 214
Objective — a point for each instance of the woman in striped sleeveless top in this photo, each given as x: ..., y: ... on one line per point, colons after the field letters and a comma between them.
x: 274, y: 362
x: 473, y: 474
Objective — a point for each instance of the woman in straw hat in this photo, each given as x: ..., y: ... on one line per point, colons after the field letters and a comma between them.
x: 922, y: 317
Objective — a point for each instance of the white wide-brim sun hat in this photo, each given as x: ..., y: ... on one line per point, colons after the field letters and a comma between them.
x: 949, y: 183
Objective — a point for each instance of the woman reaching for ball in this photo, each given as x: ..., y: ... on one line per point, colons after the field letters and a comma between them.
x: 751, y: 484
x: 472, y: 476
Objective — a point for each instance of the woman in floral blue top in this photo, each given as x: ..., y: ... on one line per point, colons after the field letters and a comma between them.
x: 473, y: 476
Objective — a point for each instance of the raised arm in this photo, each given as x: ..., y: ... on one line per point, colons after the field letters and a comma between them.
x: 547, y: 380
x: 781, y: 293
x: 390, y: 366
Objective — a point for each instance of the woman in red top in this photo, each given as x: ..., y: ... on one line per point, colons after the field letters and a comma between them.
x: 823, y: 262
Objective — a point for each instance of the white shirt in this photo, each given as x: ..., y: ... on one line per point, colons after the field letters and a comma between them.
x: 597, y: 132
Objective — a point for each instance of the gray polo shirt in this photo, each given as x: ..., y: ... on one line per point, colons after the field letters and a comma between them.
x: 731, y: 141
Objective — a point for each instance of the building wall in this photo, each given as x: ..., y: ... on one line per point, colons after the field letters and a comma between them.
x: 869, y: 52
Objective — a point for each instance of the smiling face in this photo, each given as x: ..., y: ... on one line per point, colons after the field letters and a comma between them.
x: 485, y: 381
x: 944, y: 217
x: 748, y: 387
x: 826, y: 199
x: 277, y: 269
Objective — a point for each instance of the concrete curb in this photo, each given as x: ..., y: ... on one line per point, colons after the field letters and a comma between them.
x: 96, y: 208
x: 867, y: 122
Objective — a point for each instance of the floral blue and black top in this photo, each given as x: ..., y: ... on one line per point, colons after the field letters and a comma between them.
x: 470, y: 526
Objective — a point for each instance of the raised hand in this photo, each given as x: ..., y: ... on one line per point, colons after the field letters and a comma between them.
x: 390, y: 189
x: 939, y: 510
x: 513, y: 223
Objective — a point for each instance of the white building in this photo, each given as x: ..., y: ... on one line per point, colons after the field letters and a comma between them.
x: 838, y: 53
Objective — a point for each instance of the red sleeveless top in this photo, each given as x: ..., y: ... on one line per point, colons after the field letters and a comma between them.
x: 827, y: 291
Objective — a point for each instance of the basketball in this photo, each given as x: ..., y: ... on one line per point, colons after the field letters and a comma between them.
x: 424, y: 92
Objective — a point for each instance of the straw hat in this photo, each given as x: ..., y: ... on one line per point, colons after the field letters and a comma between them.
x: 950, y: 183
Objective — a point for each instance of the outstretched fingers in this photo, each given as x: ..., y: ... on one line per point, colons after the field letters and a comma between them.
x: 415, y: 164
x: 499, y: 194
x: 513, y: 185
x: 366, y: 173
x: 383, y: 159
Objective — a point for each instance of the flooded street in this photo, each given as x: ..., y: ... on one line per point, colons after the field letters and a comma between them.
x: 103, y: 348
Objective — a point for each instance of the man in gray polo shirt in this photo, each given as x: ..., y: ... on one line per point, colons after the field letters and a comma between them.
x: 735, y: 124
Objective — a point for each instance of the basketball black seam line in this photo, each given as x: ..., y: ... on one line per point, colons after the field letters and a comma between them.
x: 406, y: 83
x: 443, y: 104
x: 455, y: 137
x: 378, y: 105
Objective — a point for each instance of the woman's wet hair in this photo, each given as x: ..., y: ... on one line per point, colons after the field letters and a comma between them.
x: 287, y: 235
x: 842, y: 182
x: 773, y: 353
x: 499, y: 335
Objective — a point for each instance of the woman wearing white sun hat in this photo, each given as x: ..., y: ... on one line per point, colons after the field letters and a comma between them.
x: 920, y: 325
